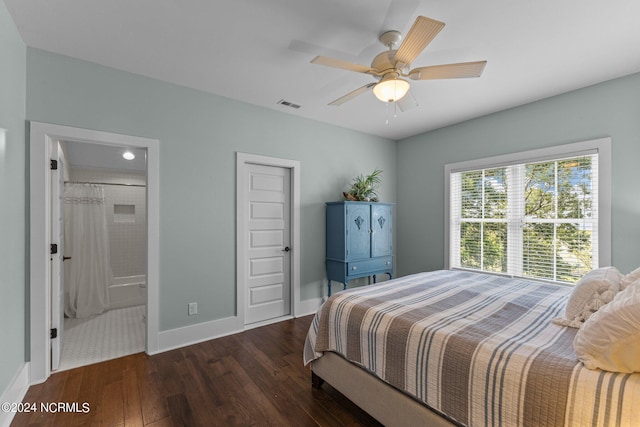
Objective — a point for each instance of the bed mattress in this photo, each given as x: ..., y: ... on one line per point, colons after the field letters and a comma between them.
x: 479, y: 348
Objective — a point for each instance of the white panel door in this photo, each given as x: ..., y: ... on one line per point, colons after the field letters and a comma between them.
x: 57, y: 264
x: 267, y: 259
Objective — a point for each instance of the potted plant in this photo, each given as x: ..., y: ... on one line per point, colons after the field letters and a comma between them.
x: 364, y: 187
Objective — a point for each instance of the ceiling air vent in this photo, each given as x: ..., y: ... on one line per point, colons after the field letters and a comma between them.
x: 288, y: 104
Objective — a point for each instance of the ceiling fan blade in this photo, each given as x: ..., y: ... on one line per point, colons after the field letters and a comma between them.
x: 348, y: 97
x: 338, y: 63
x: 407, y: 102
x: 448, y: 71
x: 423, y: 31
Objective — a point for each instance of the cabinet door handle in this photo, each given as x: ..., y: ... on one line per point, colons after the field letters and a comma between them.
x: 286, y: 249
x: 354, y: 268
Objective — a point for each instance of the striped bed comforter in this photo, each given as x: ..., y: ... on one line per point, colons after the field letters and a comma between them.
x: 478, y: 348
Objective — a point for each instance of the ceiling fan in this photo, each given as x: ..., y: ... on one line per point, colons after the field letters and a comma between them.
x: 390, y: 66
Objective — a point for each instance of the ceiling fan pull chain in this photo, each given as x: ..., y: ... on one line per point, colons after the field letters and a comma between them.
x: 386, y: 106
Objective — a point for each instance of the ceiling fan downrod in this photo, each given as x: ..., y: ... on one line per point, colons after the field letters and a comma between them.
x: 390, y: 38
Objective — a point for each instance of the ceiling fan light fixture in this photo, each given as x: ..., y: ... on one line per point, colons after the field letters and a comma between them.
x: 391, y: 88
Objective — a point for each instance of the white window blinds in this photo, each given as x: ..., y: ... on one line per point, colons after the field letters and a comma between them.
x: 534, y: 219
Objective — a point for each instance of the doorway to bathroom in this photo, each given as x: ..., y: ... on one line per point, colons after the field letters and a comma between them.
x: 49, y: 257
x: 102, y: 244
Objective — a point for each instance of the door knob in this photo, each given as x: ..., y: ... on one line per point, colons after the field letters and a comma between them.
x: 286, y: 249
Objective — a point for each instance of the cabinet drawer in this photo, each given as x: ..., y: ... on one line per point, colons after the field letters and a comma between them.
x: 374, y: 264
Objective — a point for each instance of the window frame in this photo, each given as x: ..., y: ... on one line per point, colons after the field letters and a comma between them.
x: 601, y: 146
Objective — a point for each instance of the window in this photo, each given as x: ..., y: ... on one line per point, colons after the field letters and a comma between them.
x: 540, y: 214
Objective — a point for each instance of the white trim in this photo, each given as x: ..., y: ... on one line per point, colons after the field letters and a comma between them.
x: 14, y: 393
x: 602, y: 146
x: 193, y: 334
x: 267, y: 322
x: 42, y: 136
x: 200, y: 332
x: 309, y: 306
x: 294, y: 165
x: 533, y: 156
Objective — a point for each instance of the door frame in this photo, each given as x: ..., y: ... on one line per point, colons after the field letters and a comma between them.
x: 243, y: 159
x: 57, y: 261
x: 42, y: 137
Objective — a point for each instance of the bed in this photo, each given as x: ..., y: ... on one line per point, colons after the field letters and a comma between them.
x: 463, y: 348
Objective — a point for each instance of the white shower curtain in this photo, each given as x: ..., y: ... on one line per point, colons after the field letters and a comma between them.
x: 88, y: 272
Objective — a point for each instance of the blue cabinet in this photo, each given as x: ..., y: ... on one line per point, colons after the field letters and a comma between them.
x: 359, y: 240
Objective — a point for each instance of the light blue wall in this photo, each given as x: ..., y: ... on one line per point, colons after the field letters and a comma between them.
x: 199, y: 135
x: 12, y: 200
x: 607, y: 109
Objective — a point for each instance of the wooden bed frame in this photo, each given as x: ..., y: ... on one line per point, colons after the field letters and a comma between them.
x: 380, y: 400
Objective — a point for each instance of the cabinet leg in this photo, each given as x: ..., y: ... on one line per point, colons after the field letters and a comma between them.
x: 390, y: 276
x: 374, y: 279
x: 329, y: 286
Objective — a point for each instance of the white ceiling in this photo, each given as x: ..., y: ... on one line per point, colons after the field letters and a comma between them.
x: 258, y: 51
x: 105, y: 157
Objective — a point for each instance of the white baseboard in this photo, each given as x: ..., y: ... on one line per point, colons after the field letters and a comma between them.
x: 308, y: 306
x: 14, y: 393
x: 193, y: 334
x: 267, y: 322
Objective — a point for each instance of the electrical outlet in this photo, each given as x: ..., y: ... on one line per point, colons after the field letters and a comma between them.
x: 193, y: 308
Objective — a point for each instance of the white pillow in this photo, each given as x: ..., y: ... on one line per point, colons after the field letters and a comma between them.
x: 595, y: 289
x: 629, y: 278
x: 610, y: 339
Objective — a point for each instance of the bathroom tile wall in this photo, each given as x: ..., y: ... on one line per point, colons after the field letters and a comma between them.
x: 126, y: 218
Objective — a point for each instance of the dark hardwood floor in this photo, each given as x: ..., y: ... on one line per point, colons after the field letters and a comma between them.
x: 251, y: 378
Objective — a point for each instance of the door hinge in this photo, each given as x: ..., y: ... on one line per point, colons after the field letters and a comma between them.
x: 54, y: 248
x: 54, y: 165
x: 54, y: 333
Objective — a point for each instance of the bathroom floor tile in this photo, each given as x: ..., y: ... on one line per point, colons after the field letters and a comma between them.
x: 94, y: 339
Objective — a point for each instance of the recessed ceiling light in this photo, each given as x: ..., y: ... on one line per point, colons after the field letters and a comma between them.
x: 129, y: 155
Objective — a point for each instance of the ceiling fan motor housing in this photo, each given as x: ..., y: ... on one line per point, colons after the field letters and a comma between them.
x: 384, y: 63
